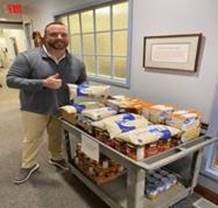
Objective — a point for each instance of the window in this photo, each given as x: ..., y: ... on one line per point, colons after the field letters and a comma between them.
x: 99, y: 36
x: 210, y: 163
x: 210, y: 159
x: 215, y: 159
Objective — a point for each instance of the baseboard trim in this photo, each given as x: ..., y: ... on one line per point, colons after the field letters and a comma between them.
x: 206, y: 193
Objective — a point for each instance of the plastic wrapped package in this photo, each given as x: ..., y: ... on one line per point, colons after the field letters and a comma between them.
x: 99, y: 113
x: 69, y: 112
x: 88, y: 90
x: 85, y: 119
x: 121, y: 123
x: 158, y: 113
x: 84, y: 123
x: 128, y: 104
x: 80, y: 106
x: 188, y: 121
x: 147, y: 141
x: 156, y: 183
x: 149, y: 134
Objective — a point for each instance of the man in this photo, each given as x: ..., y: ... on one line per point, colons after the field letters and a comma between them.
x: 41, y: 74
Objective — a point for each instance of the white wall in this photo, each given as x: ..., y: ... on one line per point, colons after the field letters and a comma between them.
x: 160, y: 17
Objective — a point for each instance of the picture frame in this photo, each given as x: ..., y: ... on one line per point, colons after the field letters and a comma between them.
x: 172, y: 52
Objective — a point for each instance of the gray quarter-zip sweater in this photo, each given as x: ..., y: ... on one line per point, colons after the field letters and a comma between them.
x: 28, y: 71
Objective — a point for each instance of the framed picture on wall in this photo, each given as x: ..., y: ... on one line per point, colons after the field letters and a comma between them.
x: 172, y: 52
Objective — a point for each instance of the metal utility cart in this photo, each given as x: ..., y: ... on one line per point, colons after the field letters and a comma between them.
x: 127, y: 191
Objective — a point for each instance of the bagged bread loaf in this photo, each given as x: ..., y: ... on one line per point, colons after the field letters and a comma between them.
x: 70, y: 109
x: 88, y: 90
x: 69, y: 112
x: 99, y: 113
x: 79, y: 107
x: 158, y: 113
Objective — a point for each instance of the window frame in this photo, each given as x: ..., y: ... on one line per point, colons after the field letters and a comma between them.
x: 208, y: 166
x: 125, y: 83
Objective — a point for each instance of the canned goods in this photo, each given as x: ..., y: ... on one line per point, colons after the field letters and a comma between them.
x: 105, y: 164
x: 163, y: 172
x: 120, y: 168
x: 151, y: 192
x: 157, y: 176
x: 172, y: 179
x: 76, y: 160
x: 166, y: 182
x: 150, y: 180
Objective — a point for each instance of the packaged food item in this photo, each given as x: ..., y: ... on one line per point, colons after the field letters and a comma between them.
x: 69, y: 112
x: 128, y: 104
x: 88, y: 90
x: 105, y: 164
x: 151, y: 149
x: 149, y: 134
x: 151, y: 192
x: 167, y: 183
x: 131, y: 151
x: 158, y: 113
x: 81, y: 106
x: 102, y: 135
x: 84, y: 123
x: 120, y: 168
x: 121, y: 123
x: 120, y: 146
x: 99, y: 113
x: 134, y: 152
x: 172, y: 178
x: 189, y: 121
x: 157, y: 176
x: 161, y: 186
x: 164, y: 144
x: 163, y: 172
x: 76, y: 160
x: 150, y: 179
x: 91, y: 171
x: 100, y: 172
x: 158, y: 182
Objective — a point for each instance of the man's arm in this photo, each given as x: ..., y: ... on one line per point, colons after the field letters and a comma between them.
x: 19, y: 75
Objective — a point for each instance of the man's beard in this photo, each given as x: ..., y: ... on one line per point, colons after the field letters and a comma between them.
x: 58, y: 45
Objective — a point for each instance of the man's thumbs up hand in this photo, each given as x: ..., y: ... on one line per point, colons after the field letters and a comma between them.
x: 52, y: 82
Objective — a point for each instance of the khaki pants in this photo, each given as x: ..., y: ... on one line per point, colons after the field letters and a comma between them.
x: 34, y: 126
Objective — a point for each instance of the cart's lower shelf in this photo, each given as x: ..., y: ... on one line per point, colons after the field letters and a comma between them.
x: 114, y: 193
x: 169, y: 197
